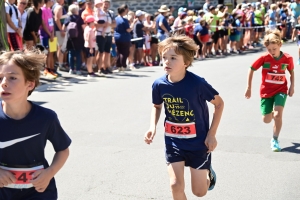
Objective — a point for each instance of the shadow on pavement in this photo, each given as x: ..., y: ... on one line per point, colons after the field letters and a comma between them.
x: 292, y: 149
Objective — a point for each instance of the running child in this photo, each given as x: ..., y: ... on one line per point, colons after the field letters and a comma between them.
x: 188, y: 138
x: 90, y: 44
x: 274, y: 88
x: 25, y: 129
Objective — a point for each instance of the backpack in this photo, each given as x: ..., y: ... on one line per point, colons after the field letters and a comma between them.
x: 10, y: 10
x: 72, y: 29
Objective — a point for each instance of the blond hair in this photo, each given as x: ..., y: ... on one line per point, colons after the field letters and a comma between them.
x: 272, y: 37
x: 273, y: 6
x: 30, y: 62
x: 73, y: 9
x: 182, y: 45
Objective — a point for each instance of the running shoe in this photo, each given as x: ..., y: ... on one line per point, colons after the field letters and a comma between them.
x: 275, y: 145
x: 92, y: 75
x: 50, y: 74
x: 78, y: 73
x: 212, y: 177
x: 72, y: 71
x: 63, y: 68
x: 108, y: 71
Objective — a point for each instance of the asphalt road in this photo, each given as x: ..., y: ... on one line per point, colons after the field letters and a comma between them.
x: 107, y: 118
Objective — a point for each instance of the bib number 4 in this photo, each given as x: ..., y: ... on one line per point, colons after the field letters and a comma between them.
x: 180, y: 130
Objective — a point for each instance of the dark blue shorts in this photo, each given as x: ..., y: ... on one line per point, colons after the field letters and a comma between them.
x: 45, y: 42
x: 193, y: 159
x: 139, y: 44
x: 88, y: 54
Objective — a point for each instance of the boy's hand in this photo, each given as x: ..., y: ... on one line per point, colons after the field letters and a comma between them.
x: 6, y: 178
x: 291, y: 91
x: 41, y: 179
x: 149, y: 136
x: 248, y: 94
x: 210, y: 142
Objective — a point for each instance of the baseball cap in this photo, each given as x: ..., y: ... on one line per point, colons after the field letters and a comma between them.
x: 98, y: 1
x: 264, y: 1
x: 139, y: 13
x: 80, y: 1
x: 89, y: 19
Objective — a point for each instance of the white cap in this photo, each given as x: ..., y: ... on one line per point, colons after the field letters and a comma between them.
x: 139, y: 13
x: 264, y: 1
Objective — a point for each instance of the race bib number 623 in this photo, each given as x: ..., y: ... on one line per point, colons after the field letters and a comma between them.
x: 180, y: 130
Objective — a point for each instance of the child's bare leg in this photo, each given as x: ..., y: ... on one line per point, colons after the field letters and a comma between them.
x: 277, y: 115
x: 176, y: 174
x: 200, y: 181
x: 267, y: 118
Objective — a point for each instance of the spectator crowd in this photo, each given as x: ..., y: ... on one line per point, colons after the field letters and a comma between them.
x: 88, y: 36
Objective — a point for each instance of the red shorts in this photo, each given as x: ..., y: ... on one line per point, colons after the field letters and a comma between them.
x: 204, y: 38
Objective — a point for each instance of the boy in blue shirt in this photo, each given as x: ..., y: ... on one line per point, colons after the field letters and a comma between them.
x: 25, y: 129
x: 189, y: 139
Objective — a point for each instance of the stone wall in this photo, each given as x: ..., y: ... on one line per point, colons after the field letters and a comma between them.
x: 152, y: 6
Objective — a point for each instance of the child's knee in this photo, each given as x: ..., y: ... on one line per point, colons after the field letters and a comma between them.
x: 277, y: 115
x: 200, y: 192
x: 176, y: 185
x: 267, y: 118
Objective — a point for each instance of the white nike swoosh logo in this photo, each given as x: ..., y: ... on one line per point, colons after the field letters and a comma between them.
x: 11, y: 142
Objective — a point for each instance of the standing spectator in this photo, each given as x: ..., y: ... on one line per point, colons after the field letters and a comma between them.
x: 90, y: 44
x: 272, y: 17
x: 14, y: 26
x: 162, y: 25
x: 74, y: 43
x: 58, y: 12
x: 88, y: 11
x: 47, y: 17
x: 206, y: 6
x: 150, y: 23
x: 258, y: 22
x: 33, y: 23
x: 295, y: 8
x: 104, y: 43
x: 172, y: 9
x: 138, y: 32
x: 21, y: 7
x: 171, y: 20
x: 122, y: 37
x: 82, y: 6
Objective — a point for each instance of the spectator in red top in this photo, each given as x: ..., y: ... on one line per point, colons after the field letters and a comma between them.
x: 189, y: 29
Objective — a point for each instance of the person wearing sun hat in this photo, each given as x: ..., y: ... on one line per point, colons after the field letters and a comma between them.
x: 162, y: 25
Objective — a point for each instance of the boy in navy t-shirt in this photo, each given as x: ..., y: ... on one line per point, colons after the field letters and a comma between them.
x: 25, y: 129
x: 189, y: 138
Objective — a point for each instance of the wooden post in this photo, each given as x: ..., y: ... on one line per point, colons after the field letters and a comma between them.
x: 3, y: 32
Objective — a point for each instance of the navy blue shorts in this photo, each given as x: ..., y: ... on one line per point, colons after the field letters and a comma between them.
x: 139, y: 44
x: 45, y: 42
x: 193, y: 159
x: 88, y: 54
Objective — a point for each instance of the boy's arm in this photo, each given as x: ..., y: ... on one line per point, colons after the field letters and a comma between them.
x: 42, y: 178
x: 249, y: 83
x: 292, y: 79
x: 210, y: 140
x: 155, y: 114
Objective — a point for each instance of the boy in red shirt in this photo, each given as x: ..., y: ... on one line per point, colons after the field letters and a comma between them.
x: 274, y: 89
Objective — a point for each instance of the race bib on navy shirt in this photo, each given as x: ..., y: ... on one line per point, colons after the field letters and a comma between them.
x: 187, y: 116
x: 22, y: 144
